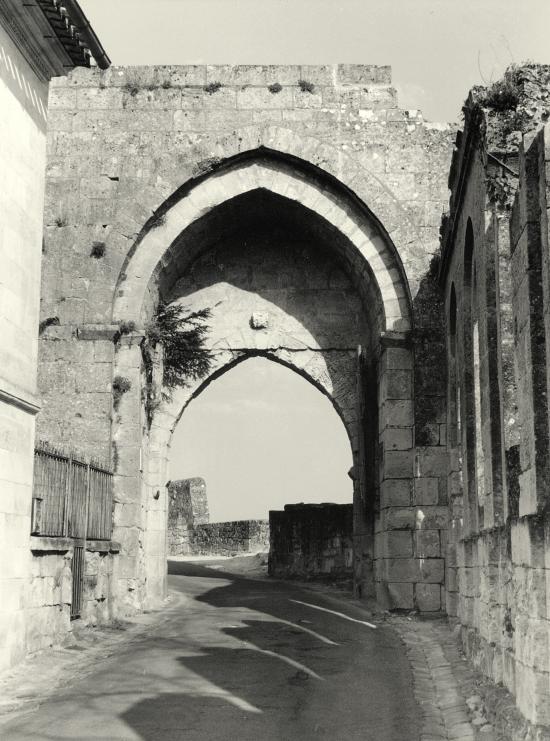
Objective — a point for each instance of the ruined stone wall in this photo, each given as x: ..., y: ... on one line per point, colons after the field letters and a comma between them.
x: 187, y: 507
x: 311, y: 542
x: 229, y: 538
x: 496, y: 288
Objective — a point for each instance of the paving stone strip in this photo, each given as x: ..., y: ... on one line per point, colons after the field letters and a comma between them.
x: 443, y: 683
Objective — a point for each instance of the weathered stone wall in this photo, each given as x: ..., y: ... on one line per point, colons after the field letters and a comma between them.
x: 229, y: 538
x: 22, y: 163
x: 160, y: 181
x: 187, y: 507
x: 311, y: 542
x: 49, y: 591
x: 495, y: 270
x: 190, y: 533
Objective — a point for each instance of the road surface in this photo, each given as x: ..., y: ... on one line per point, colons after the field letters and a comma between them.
x: 239, y: 659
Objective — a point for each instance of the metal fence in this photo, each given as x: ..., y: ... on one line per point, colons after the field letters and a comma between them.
x: 71, y: 498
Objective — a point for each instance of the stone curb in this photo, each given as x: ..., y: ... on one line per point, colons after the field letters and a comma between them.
x: 442, y: 683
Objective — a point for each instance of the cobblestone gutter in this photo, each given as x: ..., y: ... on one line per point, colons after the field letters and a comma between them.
x: 457, y: 702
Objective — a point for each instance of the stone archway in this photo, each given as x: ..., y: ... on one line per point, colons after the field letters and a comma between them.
x: 356, y: 296
x: 374, y: 253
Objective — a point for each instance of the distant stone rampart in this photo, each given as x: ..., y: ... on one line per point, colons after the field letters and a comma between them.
x: 230, y: 538
x: 312, y: 541
x: 191, y: 533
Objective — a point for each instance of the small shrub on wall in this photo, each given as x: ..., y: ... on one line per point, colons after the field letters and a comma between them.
x: 212, y: 87
x: 306, y: 86
x: 181, y: 335
x: 120, y: 386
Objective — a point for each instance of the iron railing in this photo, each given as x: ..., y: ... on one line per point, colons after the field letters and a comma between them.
x: 71, y: 498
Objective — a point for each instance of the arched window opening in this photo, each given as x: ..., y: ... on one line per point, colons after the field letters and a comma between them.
x: 261, y: 436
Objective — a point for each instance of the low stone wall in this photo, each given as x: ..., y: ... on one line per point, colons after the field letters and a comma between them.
x: 502, y: 577
x: 229, y: 538
x: 50, y: 590
x: 312, y: 541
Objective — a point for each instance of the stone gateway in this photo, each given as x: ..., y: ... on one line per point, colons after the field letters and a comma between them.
x: 305, y: 218
x: 310, y: 216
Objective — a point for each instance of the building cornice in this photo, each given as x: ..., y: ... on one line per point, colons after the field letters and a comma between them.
x: 48, y: 37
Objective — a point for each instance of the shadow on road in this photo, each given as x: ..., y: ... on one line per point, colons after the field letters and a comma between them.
x: 263, y: 667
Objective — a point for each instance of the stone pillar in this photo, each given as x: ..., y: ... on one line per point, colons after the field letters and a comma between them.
x: 156, y: 506
x: 531, y: 308
x: 129, y: 487
x: 412, y: 525
x: 395, y: 569
x: 527, y: 618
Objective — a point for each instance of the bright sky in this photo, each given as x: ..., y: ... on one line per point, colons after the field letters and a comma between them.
x: 261, y: 435
x: 437, y: 48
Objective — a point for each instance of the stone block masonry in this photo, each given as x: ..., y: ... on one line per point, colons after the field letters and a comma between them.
x: 229, y: 538
x: 312, y: 542
x: 190, y: 533
x: 302, y: 206
x: 49, y: 593
x: 495, y: 274
x: 333, y: 194
x: 187, y: 508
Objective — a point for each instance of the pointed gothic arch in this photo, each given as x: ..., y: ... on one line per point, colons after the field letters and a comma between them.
x: 372, y: 397
x: 372, y: 256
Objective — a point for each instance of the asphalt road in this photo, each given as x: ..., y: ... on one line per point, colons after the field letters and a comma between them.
x: 240, y: 659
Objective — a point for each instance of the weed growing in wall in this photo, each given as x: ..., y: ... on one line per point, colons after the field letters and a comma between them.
x: 114, y: 456
x: 157, y: 220
x: 306, y: 87
x: 132, y: 88
x: 502, y: 95
x: 212, y: 87
x: 206, y: 165
x: 123, y: 328
x: 275, y: 88
x: 121, y: 385
x: 501, y: 188
x: 60, y: 221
